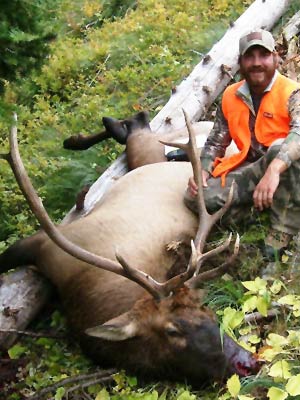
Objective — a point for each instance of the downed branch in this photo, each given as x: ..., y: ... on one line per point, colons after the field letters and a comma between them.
x: 79, y: 382
x: 53, y: 335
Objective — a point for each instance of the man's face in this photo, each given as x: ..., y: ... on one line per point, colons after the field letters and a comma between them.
x: 258, y: 66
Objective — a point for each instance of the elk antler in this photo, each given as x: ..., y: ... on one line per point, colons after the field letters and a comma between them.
x: 156, y: 289
x: 206, y: 220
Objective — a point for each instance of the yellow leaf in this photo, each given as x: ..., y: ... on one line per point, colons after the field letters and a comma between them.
x: 250, y: 304
x: 281, y: 369
x: 293, y: 385
x: 103, y: 395
x: 246, y: 346
x: 276, y: 340
x: 294, y: 338
x: 232, y: 318
x: 275, y: 393
x: 289, y: 299
x: 276, y: 287
x: 224, y: 396
x: 262, y: 306
x: 255, y: 286
x: 254, y: 339
x: 245, y: 330
x: 296, y: 313
x: 269, y: 354
x: 242, y: 397
x: 234, y: 385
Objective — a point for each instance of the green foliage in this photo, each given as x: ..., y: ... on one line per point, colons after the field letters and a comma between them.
x: 128, y: 64
x: 25, y: 29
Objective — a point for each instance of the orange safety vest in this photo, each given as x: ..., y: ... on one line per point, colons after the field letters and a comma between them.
x: 272, y: 121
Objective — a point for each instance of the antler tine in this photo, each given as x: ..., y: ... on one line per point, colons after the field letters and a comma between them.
x: 206, y: 221
x: 215, y: 272
x: 36, y: 205
x: 156, y: 289
x: 159, y: 290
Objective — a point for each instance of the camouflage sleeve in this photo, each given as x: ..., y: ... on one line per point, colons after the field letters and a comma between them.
x: 290, y: 149
x: 216, y: 143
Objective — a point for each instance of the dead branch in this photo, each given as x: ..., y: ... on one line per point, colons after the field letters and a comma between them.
x: 53, y: 335
x: 85, y: 379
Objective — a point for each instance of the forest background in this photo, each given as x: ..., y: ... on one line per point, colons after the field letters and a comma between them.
x: 64, y: 65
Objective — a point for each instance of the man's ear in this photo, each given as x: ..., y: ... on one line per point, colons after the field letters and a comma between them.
x: 277, y: 58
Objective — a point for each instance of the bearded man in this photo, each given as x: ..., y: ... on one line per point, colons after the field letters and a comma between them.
x: 261, y: 114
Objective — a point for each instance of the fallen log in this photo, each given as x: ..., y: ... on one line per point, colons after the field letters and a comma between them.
x: 292, y: 28
x: 23, y: 293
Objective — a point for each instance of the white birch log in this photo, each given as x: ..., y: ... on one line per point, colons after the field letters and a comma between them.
x: 292, y: 28
x: 22, y: 292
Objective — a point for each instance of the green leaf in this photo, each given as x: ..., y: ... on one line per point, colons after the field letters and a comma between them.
x: 243, y: 397
x: 275, y: 393
x: 59, y: 393
x: 132, y: 381
x: 234, y: 385
x: 293, y: 385
x: 16, y: 351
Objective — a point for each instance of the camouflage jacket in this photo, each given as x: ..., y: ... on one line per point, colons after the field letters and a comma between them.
x: 219, y: 138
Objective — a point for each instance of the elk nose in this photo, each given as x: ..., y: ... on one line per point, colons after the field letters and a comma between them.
x: 250, y: 366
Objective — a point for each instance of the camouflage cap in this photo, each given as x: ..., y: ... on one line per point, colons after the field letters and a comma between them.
x: 258, y: 38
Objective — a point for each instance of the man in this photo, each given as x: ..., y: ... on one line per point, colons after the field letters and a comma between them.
x: 262, y: 115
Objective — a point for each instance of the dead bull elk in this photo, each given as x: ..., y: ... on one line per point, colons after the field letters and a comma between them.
x: 124, y: 316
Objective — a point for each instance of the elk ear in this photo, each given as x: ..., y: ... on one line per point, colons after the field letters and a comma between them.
x: 117, y: 329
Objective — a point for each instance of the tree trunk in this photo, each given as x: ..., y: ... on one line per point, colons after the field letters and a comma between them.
x: 23, y: 292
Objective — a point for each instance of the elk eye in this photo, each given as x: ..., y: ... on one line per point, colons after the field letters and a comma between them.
x: 172, y: 330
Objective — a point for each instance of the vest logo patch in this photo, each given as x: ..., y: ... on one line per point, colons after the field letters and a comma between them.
x: 268, y: 115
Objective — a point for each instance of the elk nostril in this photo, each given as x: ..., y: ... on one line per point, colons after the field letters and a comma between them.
x: 248, y: 368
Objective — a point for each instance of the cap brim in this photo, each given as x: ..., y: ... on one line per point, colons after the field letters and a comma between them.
x: 257, y: 43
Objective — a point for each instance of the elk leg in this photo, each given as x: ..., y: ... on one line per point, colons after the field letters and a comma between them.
x: 81, y: 142
x: 23, y: 252
x: 81, y: 197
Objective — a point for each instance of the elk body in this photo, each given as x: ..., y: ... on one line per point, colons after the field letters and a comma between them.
x: 123, y: 316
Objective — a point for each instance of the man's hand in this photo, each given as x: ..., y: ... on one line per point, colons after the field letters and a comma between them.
x: 266, y: 187
x: 193, y: 188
